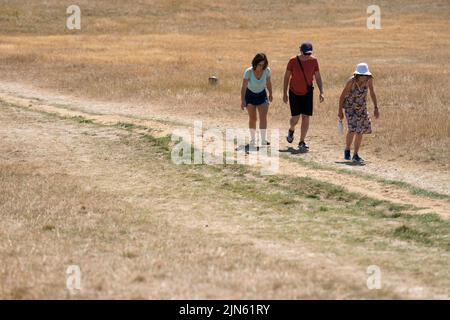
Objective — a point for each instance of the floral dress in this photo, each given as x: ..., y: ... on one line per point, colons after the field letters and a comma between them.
x: 355, y: 106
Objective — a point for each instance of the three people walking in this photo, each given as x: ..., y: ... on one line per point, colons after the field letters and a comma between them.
x: 298, y: 90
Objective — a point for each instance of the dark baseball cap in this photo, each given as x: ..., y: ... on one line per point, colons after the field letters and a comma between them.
x: 306, y: 48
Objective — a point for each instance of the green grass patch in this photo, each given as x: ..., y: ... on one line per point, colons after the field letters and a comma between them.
x: 125, y: 125
x: 407, y: 233
x: 82, y: 120
x: 403, y: 185
x: 319, y: 209
x: 162, y: 143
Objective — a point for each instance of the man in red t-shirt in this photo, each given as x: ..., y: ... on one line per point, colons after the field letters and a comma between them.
x: 300, y: 73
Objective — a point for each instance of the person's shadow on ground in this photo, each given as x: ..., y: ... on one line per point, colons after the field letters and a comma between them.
x: 293, y: 150
x: 351, y: 163
x: 247, y: 149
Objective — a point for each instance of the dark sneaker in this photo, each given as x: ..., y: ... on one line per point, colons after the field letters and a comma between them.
x: 356, y: 158
x: 347, y: 155
x: 290, y: 136
x: 303, y: 145
x: 251, y: 146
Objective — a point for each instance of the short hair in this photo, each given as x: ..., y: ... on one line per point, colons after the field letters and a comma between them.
x: 258, y: 58
x: 357, y: 76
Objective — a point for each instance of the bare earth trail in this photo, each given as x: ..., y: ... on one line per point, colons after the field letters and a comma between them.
x: 429, y: 176
x: 157, y: 242
x: 161, y: 124
x: 112, y: 206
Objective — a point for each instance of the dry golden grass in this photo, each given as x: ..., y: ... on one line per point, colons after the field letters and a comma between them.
x: 104, y: 199
x: 107, y: 200
x: 162, y: 52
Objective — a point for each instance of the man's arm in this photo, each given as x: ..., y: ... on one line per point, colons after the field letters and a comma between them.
x: 287, y: 77
x: 320, y: 85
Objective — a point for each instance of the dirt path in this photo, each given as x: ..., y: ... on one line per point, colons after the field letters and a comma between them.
x: 429, y: 176
x: 141, y: 234
x: 161, y: 126
x: 371, y: 189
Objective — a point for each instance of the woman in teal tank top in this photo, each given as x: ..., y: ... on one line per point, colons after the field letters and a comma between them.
x: 254, y: 97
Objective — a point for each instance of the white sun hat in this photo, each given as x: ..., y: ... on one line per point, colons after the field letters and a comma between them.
x: 362, y: 69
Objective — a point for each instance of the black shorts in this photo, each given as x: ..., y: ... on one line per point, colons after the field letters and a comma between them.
x: 301, y: 104
x: 255, y: 98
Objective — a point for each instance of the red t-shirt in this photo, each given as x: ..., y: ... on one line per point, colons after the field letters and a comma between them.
x: 297, y: 84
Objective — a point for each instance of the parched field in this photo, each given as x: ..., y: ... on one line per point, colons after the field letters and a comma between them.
x: 86, y: 177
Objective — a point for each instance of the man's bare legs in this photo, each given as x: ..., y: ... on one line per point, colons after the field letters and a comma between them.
x: 304, y: 125
x: 293, y: 122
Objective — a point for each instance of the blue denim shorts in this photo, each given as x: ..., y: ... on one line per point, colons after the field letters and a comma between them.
x: 256, y: 98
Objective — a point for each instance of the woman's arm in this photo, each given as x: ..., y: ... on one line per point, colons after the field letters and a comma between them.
x: 348, y: 87
x: 243, y: 89
x: 269, y: 87
x: 373, y: 96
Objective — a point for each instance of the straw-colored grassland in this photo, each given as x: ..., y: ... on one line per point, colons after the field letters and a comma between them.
x: 86, y: 177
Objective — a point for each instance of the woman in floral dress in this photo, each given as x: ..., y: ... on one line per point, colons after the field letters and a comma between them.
x: 354, y: 101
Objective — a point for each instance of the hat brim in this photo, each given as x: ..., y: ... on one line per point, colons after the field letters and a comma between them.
x: 368, y: 73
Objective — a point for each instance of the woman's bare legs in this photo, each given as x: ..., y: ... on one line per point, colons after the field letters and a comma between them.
x: 349, y: 140
x: 358, y: 139
x: 263, y: 110
x: 252, y: 118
